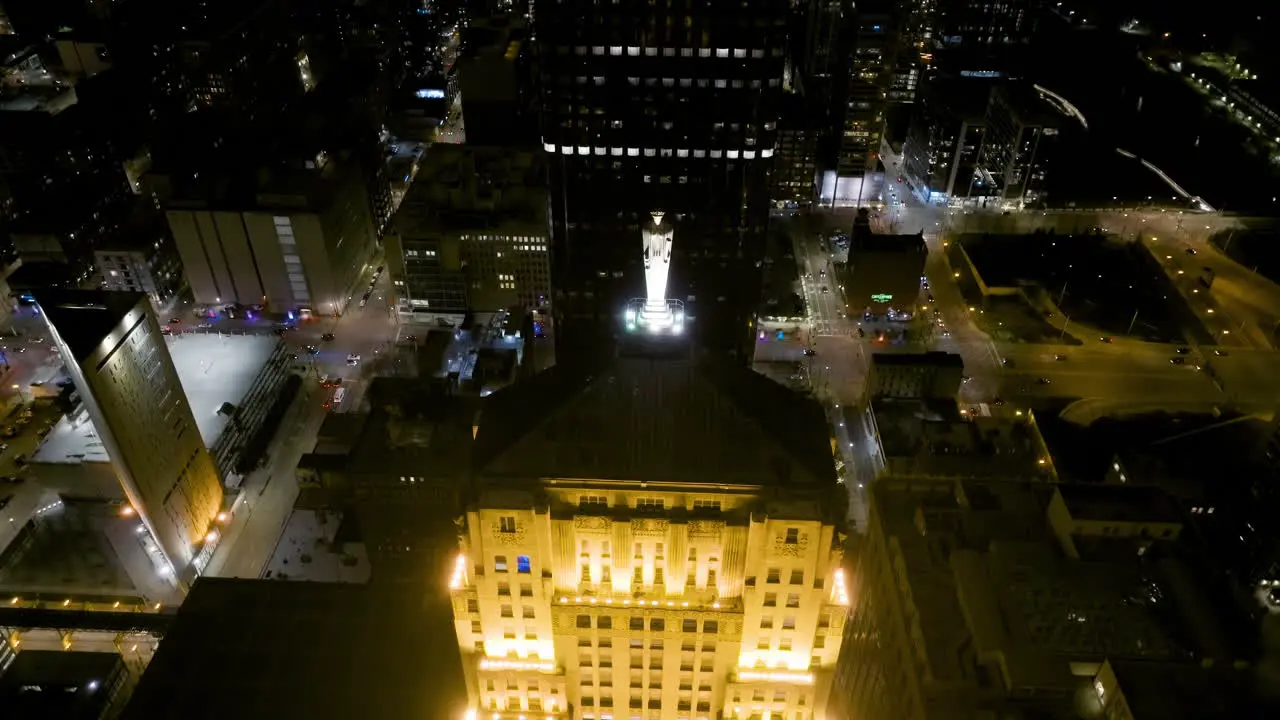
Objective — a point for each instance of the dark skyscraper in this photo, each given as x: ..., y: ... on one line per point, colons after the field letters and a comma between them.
x: 671, y: 108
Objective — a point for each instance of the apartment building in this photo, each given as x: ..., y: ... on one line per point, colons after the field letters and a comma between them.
x: 677, y: 556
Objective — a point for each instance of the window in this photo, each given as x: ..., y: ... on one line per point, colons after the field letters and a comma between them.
x: 507, y: 524
x: 766, y: 622
x: 605, y: 622
x: 527, y: 612
x: 650, y: 504
x: 637, y: 623
x: 500, y: 563
x: 762, y: 644
x: 473, y: 606
x: 689, y: 625
x: 526, y: 589
x: 657, y: 624
x: 710, y: 627
x: 820, y: 642
x: 588, y: 501
x: 506, y: 611
x: 504, y: 588
x: 789, y: 622
x: 584, y: 621
x: 771, y: 599
x: 797, y: 577
x: 793, y: 536
x: 704, y: 504
x: 774, y: 577
x: 475, y: 627
x: 586, y: 573
x: 793, y: 600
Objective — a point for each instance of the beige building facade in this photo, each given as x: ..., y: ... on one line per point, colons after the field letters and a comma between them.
x: 648, y: 600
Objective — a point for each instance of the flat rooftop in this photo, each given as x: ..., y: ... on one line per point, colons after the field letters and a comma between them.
x: 216, y: 369
x: 71, y: 442
x: 306, y: 650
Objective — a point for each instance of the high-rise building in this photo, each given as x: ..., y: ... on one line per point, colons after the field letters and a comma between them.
x: 1022, y: 132
x: 646, y: 110
x: 116, y: 356
x: 471, y: 233
x: 658, y: 539
x: 495, y: 82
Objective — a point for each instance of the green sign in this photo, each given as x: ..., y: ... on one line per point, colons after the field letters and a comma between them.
x: 881, y: 298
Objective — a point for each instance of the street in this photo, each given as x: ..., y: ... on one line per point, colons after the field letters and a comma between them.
x: 1115, y: 375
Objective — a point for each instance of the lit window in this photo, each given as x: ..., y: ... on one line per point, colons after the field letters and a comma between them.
x: 522, y: 564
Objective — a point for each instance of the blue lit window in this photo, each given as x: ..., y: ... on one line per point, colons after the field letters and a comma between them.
x: 522, y: 563
x: 876, y: 28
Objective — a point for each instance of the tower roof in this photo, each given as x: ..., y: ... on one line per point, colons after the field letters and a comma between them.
x: 82, y: 318
x: 656, y: 421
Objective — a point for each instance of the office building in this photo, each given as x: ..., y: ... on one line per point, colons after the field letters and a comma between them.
x: 1018, y: 148
x: 305, y: 649
x: 657, y: 538
x: 882, y: 276
x: 132, y: 395
x: 932, y: 436
x: 915, y: 375
x: 872, y: 51
x: 495, y: 80
x: 1007, y: 599
x: 293, y: 232
x: 795, y: 164
x: 144, y: 259
x: 941, y: 152
x: 642, y: 114
x: 471, y: 234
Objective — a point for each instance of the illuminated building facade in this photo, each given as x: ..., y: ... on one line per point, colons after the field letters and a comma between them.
x: 680, y: 560
x: 130, y: 390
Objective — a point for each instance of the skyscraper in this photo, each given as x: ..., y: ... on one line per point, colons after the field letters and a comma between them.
x: 670, y: 108
x: 656, y: 540
x: 118, y: 359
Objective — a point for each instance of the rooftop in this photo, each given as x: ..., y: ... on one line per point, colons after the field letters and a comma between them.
x: 475, y: 187
x: 933, y: 357
x: 929, y: 436
x: 656, y: 420
x: 216, y: 369
x: 315, y: 650
x: 68, y: 682
x: 1120, y: 503
x: 418, y: 427
x: 877, y: 243
x: 71, y: 441
x: 83, y: 318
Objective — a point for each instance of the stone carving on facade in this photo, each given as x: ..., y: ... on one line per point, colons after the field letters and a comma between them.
x: 705, y: 528
x: 592, y: 523
x: 795, y: 549
x: 649, y: 527
x: 508, y: 538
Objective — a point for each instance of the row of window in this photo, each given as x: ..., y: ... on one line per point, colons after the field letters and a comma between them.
x: 715, y: 154
x: 649, y: 504
x: 656, y: 624
x: 637, y: 51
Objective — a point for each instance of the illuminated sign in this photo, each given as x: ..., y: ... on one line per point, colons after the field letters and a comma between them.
x: 981, y: 73
x: 881, y: 298
x: 430, y: 94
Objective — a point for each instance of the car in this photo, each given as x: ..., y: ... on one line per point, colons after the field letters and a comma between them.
x: 364, y: 302
x: 10, y: 479
x: 411, y: 338
x: 965, y: 378
x: 1060, y: 357
x: 809, y: 352
x: 3, y: 447
x: 901, y: 179
x: 931, y: 297
x: 946, y: 333
x: 313, y: 350
x: 1043, y: 381
x: 379, y: 269
x: 825, y: 289
x: 1191, y: 251
x: 205, y: 325
x: 175, y: 321
x: 353, y: 359
x: 1007, y: 362
x: 293, y: 356
x: 327, y: 337
x: 997, y: 401
x: 1107, y: 340
x: 164, y: 330
x: 822, y: 273
x: 21, y: 349
x: 1221, y: 353
x: 937, y: 313
x: 1183, y: 350
x: 324, y: 379
x: 1178, y: 361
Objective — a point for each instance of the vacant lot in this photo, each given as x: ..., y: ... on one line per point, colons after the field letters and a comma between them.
x: 1093, y: 279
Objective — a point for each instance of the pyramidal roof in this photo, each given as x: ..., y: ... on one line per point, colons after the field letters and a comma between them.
x: 655, y: 421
